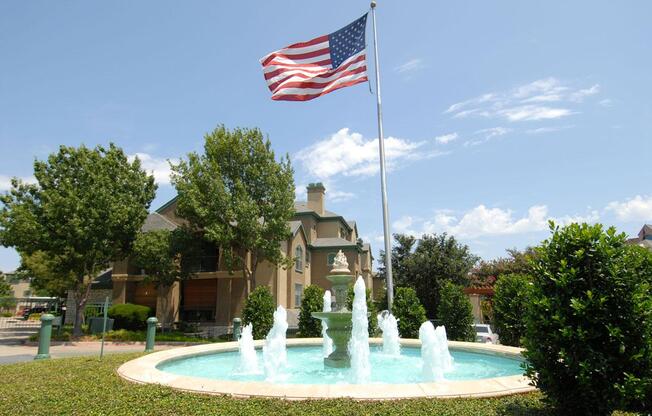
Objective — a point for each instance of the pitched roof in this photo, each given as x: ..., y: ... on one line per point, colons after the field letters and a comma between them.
x: 332, y: 242
x: 302, y: 207
x: 156, y: 222
x: 646, y: 243
x: 294, y: 226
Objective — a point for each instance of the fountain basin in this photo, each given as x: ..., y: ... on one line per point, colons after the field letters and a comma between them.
x: 339, y: 330
x: 151, y: 369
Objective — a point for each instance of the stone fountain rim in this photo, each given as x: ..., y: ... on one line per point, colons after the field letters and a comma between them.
x: 144, y: 370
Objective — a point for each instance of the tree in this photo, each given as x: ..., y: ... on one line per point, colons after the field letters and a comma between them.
x: 5, y: 288
x: 84, y: 210
x: 239, y: 196
x: 436, y: 259
x: 589, y: 322
x: 409, y: 312
x: 516, y: 262
x: 456, y: 313
x: 258, y: 310
x: 510, y: 301
x: 47, y: 275
x: 313, y: 301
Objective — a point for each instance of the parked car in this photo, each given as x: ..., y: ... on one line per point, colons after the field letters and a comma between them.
x: 483, y: 333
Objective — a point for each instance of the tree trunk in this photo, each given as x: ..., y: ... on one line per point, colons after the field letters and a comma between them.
x: 81, y: 296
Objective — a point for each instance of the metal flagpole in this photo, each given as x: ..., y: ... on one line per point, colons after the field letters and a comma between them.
x: 383, y: 179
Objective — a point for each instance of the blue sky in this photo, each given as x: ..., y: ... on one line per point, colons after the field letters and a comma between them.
x: 498, y: 115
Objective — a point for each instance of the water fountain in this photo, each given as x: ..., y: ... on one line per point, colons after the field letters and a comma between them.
x: 391, y: 340
x: 248, y: 362
x: 327, y: 345
x: 436, y: 358
x: 338, y: 321
x: 274, y: 350
x: 359, y: 342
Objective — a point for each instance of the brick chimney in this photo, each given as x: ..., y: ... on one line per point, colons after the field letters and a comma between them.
x: 316, y: 197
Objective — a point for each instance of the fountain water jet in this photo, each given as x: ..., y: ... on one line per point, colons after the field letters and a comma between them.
x: 274, y: 350
x: 359, y: 342
x: 248, y: 362
x: 328, y: 342
x: 435, y: 357
x: 391, y: 340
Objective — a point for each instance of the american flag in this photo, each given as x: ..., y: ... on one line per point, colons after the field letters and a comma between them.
x: 308, y: 70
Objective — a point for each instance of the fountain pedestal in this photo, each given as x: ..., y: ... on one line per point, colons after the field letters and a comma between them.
x: 339, y: 320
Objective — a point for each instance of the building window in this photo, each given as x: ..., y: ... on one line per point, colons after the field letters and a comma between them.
x: 331, y: 258
x: 298, y: 259
x: 308, y: 257
x: 298, y: 294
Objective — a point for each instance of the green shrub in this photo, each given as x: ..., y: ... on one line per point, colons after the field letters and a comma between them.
x: 408, y: 311
x: 372, y: 320
x: 511, y: 299
x: 129, y: 316
x: 259, y: 310
x: 313, y: 301
x: 456, y: 313
x: 589, y: 324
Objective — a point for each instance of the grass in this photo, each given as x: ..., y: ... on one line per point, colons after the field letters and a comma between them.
x: 87, y: 386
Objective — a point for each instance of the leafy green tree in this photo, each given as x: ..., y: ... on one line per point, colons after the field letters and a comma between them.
x: 510, y: 301
x: 589, y: 323
x: 84, y: 210
x: 47, y: 276
x: 239, y: 196
x: 456, y: 313
x: 5, y: 288
x: 425, y: 265
x: 408, y: 311
x: 516, y: 262
x: 313, y: 301
x: 259, y: 310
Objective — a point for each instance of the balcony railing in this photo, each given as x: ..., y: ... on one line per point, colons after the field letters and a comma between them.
x: 199, y: 264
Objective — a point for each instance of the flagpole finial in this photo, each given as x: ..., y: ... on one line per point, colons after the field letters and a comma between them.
x: 373, y: 4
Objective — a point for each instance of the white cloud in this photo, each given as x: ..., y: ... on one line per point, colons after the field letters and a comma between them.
x: 446, y: 138
x: 487, y: 134
x: 606, y: 102
x: 349, y: 154
x: 410, y: 66
x: 483, y: 221
x: 544, y: 99
x: 300, y: 192
x: 638, y: 208
x: 339, y: 196
x: 5, y: 181
x: 158, y: 167
x: 542, y: 130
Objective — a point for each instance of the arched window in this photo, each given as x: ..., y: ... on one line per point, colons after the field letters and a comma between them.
x: 298, y: 259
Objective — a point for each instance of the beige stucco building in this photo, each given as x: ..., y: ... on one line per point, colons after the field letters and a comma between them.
x: 216, y: 296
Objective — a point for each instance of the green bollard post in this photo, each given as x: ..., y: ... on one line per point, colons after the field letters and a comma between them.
x: 237, y: 328
x: 151, y: 334
x: 44, y: 337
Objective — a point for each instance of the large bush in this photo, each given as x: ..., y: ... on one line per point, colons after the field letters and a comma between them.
x: 313, y: 301
x: 129, y: 316
x: 456, y: 313
x: 589, y: 324
x: 259, y: 310
x: 408, y: 311
x: 511, y: 299
x: 372, y: 319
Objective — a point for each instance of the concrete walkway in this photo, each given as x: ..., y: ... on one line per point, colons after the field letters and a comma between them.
x: 15, y: 353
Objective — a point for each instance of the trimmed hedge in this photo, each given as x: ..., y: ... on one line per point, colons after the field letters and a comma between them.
x: 456, y: 313
x: 313, y: 301
x: 129, y: 316
x: 511, y: 300
x: 409, y: 312
x: 589, y: 324
x: 258, y: 310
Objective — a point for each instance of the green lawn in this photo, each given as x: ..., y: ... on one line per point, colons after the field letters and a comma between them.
x: 87, y: 386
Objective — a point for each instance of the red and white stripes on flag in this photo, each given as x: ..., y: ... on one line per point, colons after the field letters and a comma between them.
x: 307, y: 70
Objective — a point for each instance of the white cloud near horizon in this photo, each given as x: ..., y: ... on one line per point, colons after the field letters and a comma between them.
x: 544, y: 99
x: 482, y: 221
x: 5, y: 181
x: 156, y: 166
x: 446, y: 138
x: 347, y: 153
x: 638, y: 208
